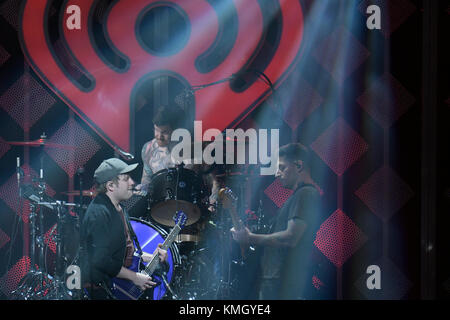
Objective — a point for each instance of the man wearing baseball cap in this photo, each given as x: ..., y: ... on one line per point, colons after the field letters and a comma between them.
x: 106, y: 235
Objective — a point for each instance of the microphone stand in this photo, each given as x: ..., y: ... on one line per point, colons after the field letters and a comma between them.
x: 166, y: 283
x: 123, y: 154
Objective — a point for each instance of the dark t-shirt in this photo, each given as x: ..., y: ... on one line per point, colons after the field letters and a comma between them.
x: 104, y: 242
x: 292, y: 268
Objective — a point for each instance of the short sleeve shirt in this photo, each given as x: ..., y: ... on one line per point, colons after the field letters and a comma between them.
x: 304, y: 204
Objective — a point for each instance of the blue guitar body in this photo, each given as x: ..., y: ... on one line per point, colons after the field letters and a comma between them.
x: 124, y: 289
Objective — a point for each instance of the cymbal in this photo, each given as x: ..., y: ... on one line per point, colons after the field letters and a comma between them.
x: 162, y: 212
x: 86, y: 193
x: 231, y: 175
x: 237, y: 174
x: 41, y: 143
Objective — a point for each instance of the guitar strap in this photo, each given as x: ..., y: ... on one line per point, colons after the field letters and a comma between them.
x: 132, y: 233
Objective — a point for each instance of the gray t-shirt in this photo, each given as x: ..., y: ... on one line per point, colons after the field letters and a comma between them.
x: 294, y: 263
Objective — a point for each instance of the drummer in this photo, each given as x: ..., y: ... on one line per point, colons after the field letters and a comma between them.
x: 156, y: 154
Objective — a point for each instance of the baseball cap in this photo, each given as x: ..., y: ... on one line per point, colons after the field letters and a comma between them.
x: 111, y: 168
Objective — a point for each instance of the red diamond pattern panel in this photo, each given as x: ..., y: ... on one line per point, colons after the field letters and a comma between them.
x: 301, y: 101
x: 317, y: 283
x: 277, y: 193
x: 384, y: 193
x: 386, y: 100
x: 340, y: 54
x: 71, y: 133
x: 130, y: 203
x: 4, y: 55
x: 393, y: 13
x: 4, y: 238
x: 4, y: 147
x: 10, y: 195
x: 12, y: 278
x: 37, y: 98
x: 339, y: 238
x: 339, y: 146
x: 49, y: 238
x: 9, y: 11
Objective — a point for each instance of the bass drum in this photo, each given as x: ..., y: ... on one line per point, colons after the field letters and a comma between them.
x: 149, y: 236
x: 177, y: 189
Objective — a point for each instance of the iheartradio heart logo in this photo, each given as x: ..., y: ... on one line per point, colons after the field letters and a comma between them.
x: 99, y: 68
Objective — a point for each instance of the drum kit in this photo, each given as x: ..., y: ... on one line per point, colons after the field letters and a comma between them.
x: 39, y: 283
x: 200, y: 260
x: 195, y: 258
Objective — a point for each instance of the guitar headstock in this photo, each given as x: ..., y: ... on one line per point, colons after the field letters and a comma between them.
x: 227, y: 197
x: 180, y: 218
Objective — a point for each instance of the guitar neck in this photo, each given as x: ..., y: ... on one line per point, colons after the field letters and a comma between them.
x: 153, y: 264
x: 237, y: 223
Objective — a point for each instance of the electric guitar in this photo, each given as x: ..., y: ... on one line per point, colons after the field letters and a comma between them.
x: 228, y: 199
x: 124, y: 289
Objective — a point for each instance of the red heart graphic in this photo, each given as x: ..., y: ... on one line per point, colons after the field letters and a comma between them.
x: 104, y: 99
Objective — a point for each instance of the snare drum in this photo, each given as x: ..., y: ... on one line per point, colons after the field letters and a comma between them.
x: 177, y: 189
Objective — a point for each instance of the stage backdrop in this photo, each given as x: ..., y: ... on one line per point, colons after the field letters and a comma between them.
x: 312, y: 69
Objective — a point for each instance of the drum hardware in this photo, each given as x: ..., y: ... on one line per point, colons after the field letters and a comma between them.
x: 41, y: 142
x: 183, y: 237
x: 175, y: 189
x: 170, y: 194
x: 76, y: 193
x: 35, y: 278
x: 58, y: 289
x: 197, y: 276
x: 163, y: 275
x: 228, y: 282
x: 38, y: 283
x: 47, y: 286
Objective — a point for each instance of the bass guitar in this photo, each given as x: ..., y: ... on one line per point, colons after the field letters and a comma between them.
x: 229, y: 200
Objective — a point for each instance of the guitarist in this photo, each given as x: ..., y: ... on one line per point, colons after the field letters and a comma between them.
x: 287, y: 266
x: 107, y: 238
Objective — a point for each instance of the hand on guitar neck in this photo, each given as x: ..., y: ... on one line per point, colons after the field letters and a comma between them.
x: 146, y: 257
x: 239, y: 231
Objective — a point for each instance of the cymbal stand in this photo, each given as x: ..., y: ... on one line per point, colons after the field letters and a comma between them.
x: 226, y: 283
x: 224, y: 267
x: 58, y: 289
x: 36, y: 282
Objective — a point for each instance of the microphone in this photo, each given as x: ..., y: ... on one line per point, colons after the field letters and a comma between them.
x: 143, y: 191
x: 125, y: 155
